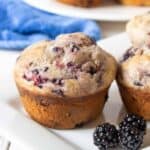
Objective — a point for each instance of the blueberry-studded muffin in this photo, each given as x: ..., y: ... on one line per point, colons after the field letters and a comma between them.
x: 82, y: 3
x: 65, y: 82
x: 138, y: 30
x: 136, y: 2
x: 134, y: 81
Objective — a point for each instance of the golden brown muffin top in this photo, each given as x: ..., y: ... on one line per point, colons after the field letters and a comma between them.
x: 72, y: 65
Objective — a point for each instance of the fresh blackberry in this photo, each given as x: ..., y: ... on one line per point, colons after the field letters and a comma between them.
x: 130, y: 138
x: 105, y: 136
x: 134, y: 121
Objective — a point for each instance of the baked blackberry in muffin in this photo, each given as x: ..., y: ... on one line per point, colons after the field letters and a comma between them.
x: 82, y: 3
x: 136, y: 2
x: 138, y: 30
x: 65, y: 82
x: 134, y: 81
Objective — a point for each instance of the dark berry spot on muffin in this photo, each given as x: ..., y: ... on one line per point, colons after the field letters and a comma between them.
x: 76, y: 77
x: 138, y: 83
x: 58, y: 92
x: 34, y: 75
x: 57, y: 81
x: 45, y: 69
x: 73, y: 67
x: 129, y: 53
x: 31, y: 63
x: 70, y: 64
x: 93, y: 41
x: 28, y: 76
x: 92, y: 70
x: 25, y: 77
x: 38, y: 80
x: 74, y: 47
x: 100, y: 73
x: 57, y: 49
x: 40, y: 86
x: 35, y: 71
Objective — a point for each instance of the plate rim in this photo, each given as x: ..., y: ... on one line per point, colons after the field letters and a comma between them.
x: 83, y: 11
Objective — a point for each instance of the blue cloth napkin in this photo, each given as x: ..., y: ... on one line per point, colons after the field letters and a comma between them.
x: 22, y: 25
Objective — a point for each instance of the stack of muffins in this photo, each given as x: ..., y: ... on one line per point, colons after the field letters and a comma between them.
x: 134, y: 69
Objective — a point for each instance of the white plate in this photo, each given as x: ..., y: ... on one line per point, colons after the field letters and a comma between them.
x: 109, y: 12
x: 16, y: 125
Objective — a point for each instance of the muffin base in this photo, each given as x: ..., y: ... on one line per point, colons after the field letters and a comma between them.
x: 83, y: 3
x: 62, y: 113
x: 135, y: 100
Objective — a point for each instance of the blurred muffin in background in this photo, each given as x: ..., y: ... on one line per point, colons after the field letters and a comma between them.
x: 138, y: 30
x: 82, y: 3
x: 136, y: 2
x: 133, y: 79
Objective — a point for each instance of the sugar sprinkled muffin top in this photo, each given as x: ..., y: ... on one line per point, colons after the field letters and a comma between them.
x: 72, y: 65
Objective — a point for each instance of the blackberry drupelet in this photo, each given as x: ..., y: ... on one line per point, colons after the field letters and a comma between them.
x: 130, y: 138
x: 134, y: 121
x: 106, y: 136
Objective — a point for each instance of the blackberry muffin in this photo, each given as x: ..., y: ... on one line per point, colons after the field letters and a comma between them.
x: 134, y: 81
x: 136, y: 2
x: 138, y: 30
x: 64, y: 83
x: 83, y: 3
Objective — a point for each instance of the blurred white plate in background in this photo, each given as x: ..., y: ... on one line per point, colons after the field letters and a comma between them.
x: 109, y: 12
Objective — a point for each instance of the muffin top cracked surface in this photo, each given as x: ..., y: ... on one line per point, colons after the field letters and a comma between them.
x: 134, y: 69
x: 138, y: 30
x: 72, y: 65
